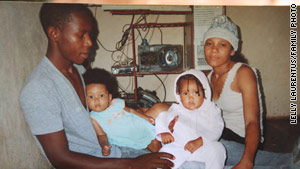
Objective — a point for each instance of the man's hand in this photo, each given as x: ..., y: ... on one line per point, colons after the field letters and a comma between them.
x: 167, y: 138
x: 193, y: 145
x: 153, y: 161
x: 56, y: 149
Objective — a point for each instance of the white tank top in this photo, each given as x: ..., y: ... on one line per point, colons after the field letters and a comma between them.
x: 231, y: 103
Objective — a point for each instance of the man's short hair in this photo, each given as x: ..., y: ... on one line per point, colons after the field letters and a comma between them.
x: 55, y: 14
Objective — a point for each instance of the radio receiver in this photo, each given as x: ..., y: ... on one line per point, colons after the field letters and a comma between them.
x: 160, y: 58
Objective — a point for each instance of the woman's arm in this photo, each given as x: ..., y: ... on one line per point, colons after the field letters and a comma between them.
x: 156, y: 109
x: 246, y: 83
x: 148, y: 118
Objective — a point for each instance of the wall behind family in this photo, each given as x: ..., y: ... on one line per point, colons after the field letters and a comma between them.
x: 265, y: 45
x: 22, y: 45
x: 265, y: 34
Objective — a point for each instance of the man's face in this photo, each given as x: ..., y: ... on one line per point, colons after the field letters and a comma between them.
x: 98, y: 98
x: 75, y: 41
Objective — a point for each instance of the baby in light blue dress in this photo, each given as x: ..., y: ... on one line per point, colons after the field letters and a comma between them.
x: 113, y: 122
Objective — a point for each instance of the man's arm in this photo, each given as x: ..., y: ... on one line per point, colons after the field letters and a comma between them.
x: 56, y: 148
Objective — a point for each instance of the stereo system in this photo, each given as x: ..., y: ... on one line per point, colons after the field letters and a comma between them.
x: 122, y: 69
x: 156, y: 58
x: 160, y: 58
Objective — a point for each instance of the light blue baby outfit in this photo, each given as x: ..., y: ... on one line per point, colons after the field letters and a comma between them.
x: 124, y: 128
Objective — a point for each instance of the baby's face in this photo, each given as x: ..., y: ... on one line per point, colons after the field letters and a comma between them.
x: 98, y: 98
x: 191, y: 96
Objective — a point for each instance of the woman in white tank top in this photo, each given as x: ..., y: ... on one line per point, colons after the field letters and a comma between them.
x: 235, y: 91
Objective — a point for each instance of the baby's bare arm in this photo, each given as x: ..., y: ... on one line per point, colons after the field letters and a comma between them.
x: 193, y: 145
x: 102, y: 138
x: 167, y: 138
x: 97, y: 127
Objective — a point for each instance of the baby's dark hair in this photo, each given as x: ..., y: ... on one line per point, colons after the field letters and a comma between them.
x: 189, y: 77
x: 101, y: 76
x: 56, y: 14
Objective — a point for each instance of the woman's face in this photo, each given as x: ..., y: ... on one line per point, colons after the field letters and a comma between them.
x: 217, y: 51
x: 98, y: 98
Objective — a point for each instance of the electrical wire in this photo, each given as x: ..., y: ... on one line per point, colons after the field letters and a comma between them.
x: 139, y: 33
x: 161, y: 36
x: 127, y: 39
x: 95, y: 13
x: 126, y: 88
x: 165, y: 91
x: 153, y: 29
x: 99, y: 42
x: 120, y: 44
x: 104, y: 47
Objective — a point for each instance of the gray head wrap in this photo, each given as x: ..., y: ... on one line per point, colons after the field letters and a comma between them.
x: 223, y: 27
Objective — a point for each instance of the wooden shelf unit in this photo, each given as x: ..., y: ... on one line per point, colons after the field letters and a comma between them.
x: 188, y: 51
